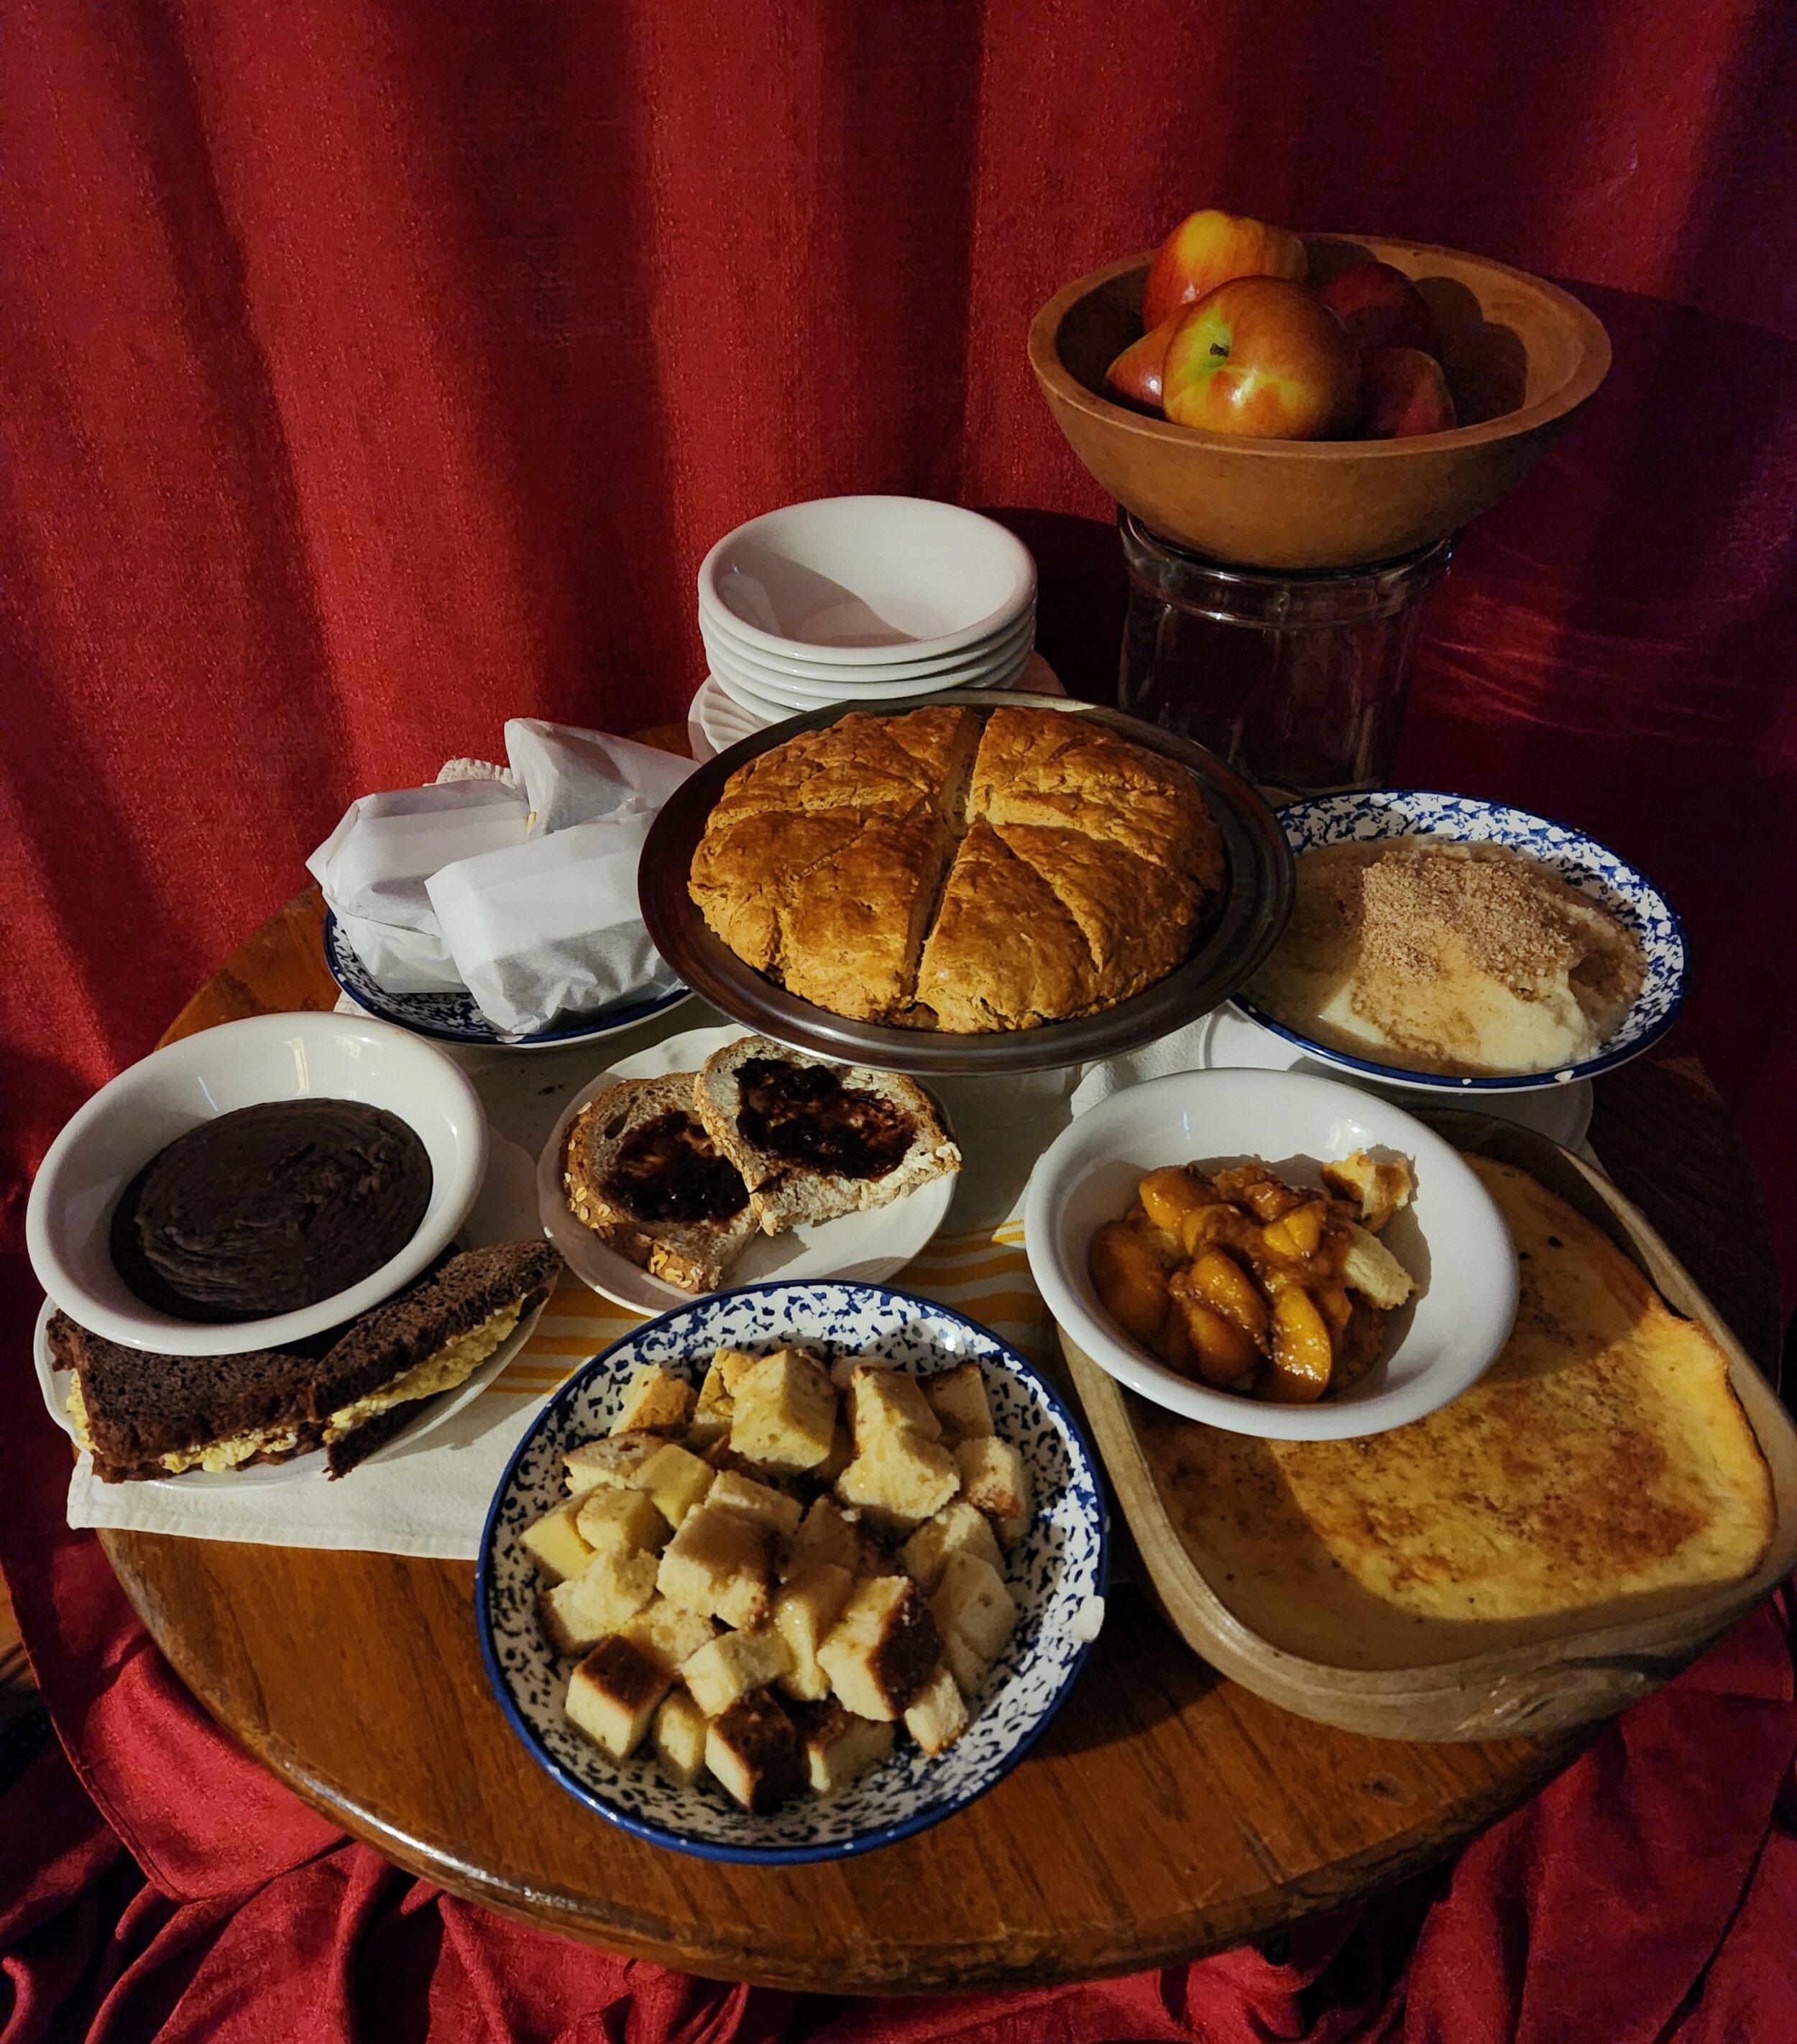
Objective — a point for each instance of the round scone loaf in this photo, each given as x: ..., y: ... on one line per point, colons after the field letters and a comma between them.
x: 948, y: 870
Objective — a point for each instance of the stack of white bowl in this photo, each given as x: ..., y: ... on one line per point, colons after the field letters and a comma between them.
x: 862, y: 600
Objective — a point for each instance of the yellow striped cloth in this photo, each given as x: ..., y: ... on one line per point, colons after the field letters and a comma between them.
x: 984, y: 1275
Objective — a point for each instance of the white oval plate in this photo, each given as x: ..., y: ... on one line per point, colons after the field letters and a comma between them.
x: 434, y: 1412
x: 864, y: 1248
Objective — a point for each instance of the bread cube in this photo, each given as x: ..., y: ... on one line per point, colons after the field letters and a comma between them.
x: 667, y: 1634
x: 993, y: 1478
x: 887, y: 1401
x: 754, y: 1751
x: 622, y: 1520
x: 721, y: 1563
x: 957, y: 1528
x: 808, y: 1603
x: 1369, y: 1268
x: 882, y: 1652
x: 731, y: 1365
x: 732, y: 1491
x: 612, y: 1695
x: 655, y: 1401
x: 842, y: 1454
x: 679, y: 1739
x: 899, y: 1479
x: 607, y: 1464
x: 839, y: 1747
x: 844, y: 1367
x: 975, y: 1614
x: 711, y: 1415
x: 957, y: 1397
x: 732, y: 1665
x: 554, y: 1543
x: 785, y: 1414
x: 600, y: 1601
x: 675, y: 1479
x: 827, y: 1534
x: 937, y: 1716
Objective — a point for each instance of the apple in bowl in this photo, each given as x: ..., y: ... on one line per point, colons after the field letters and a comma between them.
x: 1262, y: 356
x: 1209, y: 248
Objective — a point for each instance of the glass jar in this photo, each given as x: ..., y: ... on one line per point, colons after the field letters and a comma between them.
x: 1298, y: 679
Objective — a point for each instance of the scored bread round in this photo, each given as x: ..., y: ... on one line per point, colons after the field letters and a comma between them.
x: 785, y: 1195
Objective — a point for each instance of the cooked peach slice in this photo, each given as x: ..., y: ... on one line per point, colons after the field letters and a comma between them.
x: 1302, y: 1353
x: 1220, y: 1283
x: 1130, y: 1279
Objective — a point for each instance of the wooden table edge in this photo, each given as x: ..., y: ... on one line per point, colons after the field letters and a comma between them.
x: 984, y: 1966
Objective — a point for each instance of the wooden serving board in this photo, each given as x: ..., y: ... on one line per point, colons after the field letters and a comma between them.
x: 1545, y: 1676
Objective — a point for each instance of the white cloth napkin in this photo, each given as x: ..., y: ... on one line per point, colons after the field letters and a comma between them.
x: 431, y: 1498
x: 571, y: 776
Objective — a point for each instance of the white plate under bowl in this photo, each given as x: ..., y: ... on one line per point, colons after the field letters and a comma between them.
x: 1580, y: 861
x: 849, y: 579
x: 863, y: 1248
x: 245, y: 1064
x: 1562, y: 1113
x: 756, y: 667
x: 1056, y: 1575
x: 994, y: 673
x: 1451, y: 1239
x: 54, y: 1384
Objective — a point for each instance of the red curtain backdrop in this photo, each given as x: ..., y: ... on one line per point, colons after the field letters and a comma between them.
x: 371, y: 371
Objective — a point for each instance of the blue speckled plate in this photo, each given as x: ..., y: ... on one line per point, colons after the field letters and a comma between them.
x: 1578, y: 860
x: 453, y: 1018
x: 1052, y: 1574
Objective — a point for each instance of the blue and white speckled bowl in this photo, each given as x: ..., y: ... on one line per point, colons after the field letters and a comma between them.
x: 1578, y: 860
x: 454, y: 1018
x: 1053, y: 1575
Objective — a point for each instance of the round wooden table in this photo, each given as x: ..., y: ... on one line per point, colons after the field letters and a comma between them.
x: 1168, y: 1813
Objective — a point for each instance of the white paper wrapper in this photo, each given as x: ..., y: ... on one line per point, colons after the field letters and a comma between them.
x: 569, y: 776
x: 403, y: 961
x: 373, y: 866
x: 551, y: 926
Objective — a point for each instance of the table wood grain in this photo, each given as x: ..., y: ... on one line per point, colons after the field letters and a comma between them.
x: 1166, y: 1814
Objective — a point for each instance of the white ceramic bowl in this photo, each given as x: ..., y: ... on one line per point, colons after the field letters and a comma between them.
x: 847, y: 579
x: 242, y: 1064
x: 873, y: 682
x: 1453, y: 1238
x: 874, y: 693
x: 982, y: 654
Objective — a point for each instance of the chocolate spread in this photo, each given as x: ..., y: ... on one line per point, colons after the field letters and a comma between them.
x: 666, y: 1170
x: 806, y: 1114
x: 270, y: 1208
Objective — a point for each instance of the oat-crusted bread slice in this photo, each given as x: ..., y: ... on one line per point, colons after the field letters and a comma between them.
x: 1066, y: 773
x: 429, y: 1338
x: 133, y: 1409
x: 643, y: 1174
x: 878, y: 765
x: 814, y: 1139
x: 1004, y: 953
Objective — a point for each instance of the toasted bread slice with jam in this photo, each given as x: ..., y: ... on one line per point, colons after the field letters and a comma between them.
x: 642, y: 1172
x: 814, y: 1139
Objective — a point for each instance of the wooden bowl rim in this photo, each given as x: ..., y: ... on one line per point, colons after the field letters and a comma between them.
x: 1588, y: 372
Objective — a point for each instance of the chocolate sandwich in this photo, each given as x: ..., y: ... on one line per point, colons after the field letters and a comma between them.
x: 142, y: 1415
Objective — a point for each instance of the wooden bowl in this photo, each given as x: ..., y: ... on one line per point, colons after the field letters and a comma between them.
x: 1521, y: 359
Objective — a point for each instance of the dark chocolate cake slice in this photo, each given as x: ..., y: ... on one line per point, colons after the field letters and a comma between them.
x: 135, y: 1407
x: 423, y: 1342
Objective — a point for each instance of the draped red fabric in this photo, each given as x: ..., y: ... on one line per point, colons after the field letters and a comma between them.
x: 373, y: 370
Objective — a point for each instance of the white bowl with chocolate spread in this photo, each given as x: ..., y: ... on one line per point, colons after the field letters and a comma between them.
x: 257, y: 1184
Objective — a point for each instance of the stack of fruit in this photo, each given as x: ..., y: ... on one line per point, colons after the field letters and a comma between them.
x: 1237, y: 340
